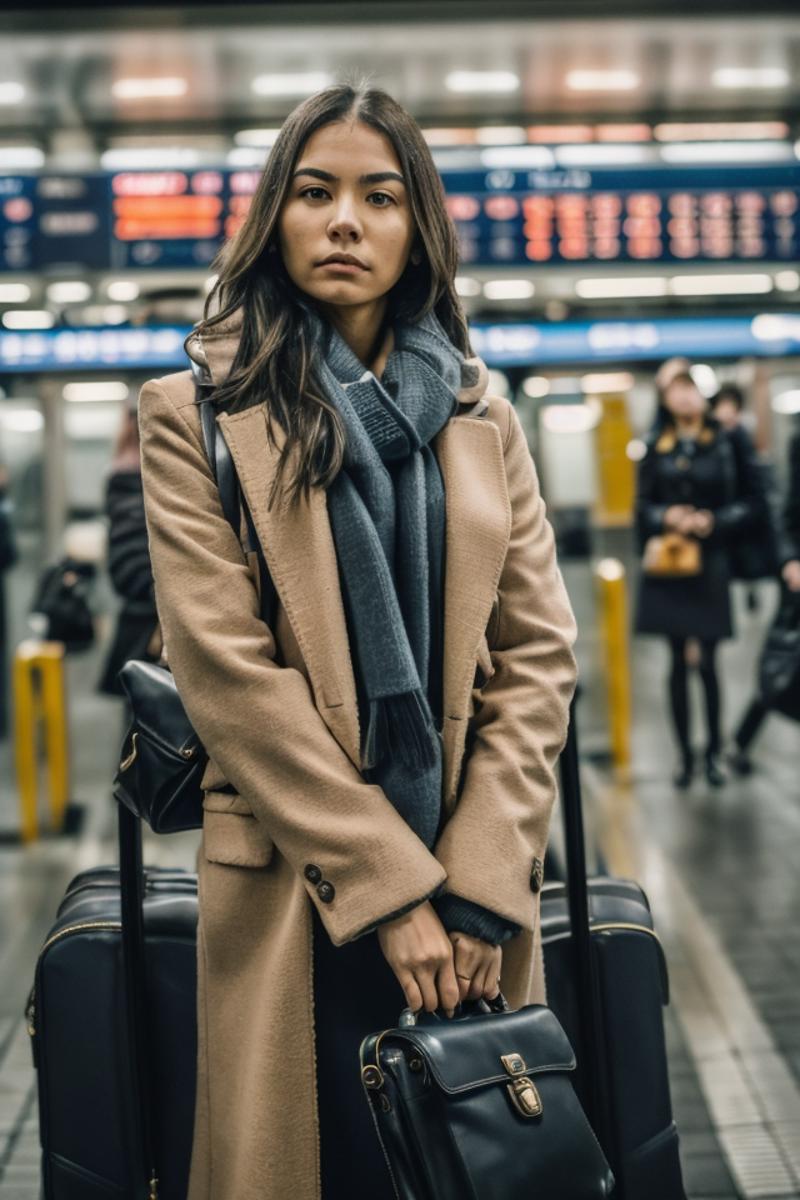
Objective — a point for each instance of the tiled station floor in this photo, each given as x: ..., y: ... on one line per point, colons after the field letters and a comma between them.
x: 720, y: 869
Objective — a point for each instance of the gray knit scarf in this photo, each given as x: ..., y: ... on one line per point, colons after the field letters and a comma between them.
x: 387, y: 512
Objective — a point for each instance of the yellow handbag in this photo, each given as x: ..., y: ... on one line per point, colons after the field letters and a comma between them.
x: 672, y: 555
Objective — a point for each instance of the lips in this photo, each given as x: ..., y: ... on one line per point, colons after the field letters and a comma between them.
x: 345, y: 260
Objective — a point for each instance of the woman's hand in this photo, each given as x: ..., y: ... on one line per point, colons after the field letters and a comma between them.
x: 420, y: 953
x: 677, y: 516
x: 791, y: 574
x: 702, y: 522
x: 477, y: 967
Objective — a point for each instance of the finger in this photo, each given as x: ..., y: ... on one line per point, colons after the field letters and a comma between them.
x: 447, y: 984
x: 412, y: 992
x: 426, y: 982
x: 463, y: 967
x: 476, y: 985
x: 491, y: 980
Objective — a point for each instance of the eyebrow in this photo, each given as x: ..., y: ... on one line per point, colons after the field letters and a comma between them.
x: 375, y: 177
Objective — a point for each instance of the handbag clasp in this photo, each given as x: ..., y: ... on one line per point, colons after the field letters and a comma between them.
x: 522, y: 1090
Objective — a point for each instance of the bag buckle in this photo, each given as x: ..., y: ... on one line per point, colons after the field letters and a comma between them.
x: 522, y: 1090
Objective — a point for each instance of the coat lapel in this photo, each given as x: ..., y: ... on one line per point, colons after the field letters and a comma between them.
x: 298, y: 545
x: 470, y: 454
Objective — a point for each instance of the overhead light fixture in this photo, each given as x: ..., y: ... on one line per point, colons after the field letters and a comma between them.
x: 706, y: 379
x: 508, y: 289
x: 21, y: 158
x: 467, y: 286
x: 14, y: 293
x: 500, y: 135
x: 787, y: 403
x: 247, y: 156
x: 21, y: 420
x: 156, y: 87
x: 601, y: 156
x: 122, y: 290
x: 713, y: 131
x: 750, y: 77
x: 569, y: 418
x: 607, y: 382
x: 720, y: 285
x: 296, y: 83
x: 602, y: 81
x: 704, y: 152
x: 554, y: 134
x: 787, y: 281
x: 28, y: 318
x: 68, y: 291
x: 11, y: 93
x: 168, y: 157
x: 257, y: 137
x: 536, y: 386
x: 517, y: 157
x: 482, y: 81
x: 449, y: 137
x: 621, y: 287
x: 623, y: 133
x: 95, y: 390
x: 775, y: 327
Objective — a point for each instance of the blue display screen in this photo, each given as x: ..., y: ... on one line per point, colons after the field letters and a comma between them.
x: 525, y: 344
x: 179, y: 219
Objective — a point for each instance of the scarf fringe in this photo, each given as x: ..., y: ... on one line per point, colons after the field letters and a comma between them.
x: 401, y: 729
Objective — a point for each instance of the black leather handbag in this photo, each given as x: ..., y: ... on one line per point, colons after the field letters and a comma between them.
x: 482, y: 1107
x: 163, y: 760
x: 779, y: 666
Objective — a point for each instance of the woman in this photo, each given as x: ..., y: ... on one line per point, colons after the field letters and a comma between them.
x: 381, y: 774
x: 788, y: 558
x: 690, y: 483
x: 137, y: 633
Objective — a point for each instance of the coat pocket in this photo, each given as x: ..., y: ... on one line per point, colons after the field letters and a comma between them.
x: 232, y: 835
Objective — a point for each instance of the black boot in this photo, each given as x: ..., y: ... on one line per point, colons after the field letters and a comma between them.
x: 683, y: 776
x: 715, y: 776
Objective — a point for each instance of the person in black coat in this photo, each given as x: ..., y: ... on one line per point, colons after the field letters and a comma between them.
x: 692, y: 481
x: 788, y: 543
x: 137, y: 633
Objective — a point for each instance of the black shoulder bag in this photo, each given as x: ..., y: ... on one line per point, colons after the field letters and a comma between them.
x: 163, y: 760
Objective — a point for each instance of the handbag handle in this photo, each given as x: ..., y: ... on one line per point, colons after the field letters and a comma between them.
x: 467, y: 1008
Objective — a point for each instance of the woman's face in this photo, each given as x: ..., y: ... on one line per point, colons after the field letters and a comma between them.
x: 684, y: 400
x: 347, y: 196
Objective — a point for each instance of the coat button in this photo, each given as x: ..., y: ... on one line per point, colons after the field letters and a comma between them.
x: 313, y: 873
x: 326, y: 891
x: 537, y: 875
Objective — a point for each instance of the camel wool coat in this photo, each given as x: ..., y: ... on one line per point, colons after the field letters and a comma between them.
x: 276, y: 710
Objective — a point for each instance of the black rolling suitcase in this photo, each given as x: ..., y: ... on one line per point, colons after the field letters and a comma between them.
x: 607, y: 983
x: 113, y: 1030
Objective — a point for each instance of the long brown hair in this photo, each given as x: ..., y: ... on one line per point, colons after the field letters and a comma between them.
x: 274, y: 359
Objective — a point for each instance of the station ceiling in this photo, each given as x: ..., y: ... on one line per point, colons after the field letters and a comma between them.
x: 670, y: 66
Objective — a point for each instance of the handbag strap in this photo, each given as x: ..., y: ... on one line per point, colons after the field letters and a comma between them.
x: 234, y: 504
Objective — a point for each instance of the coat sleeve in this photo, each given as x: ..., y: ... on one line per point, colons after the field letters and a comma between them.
x: 748, y: 504
x: 493, y: 845
x: 256, y: 719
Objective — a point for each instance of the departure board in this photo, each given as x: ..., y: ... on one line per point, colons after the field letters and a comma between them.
x: 17, y: 223
x: 653, y: 214
x: 179, y: 219
x: 176, y: 218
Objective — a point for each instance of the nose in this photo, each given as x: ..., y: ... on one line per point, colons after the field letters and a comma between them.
x: 344, y: 225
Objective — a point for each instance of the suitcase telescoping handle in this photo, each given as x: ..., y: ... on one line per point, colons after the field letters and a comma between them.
x: 131, y: 882
x: 584, y: 973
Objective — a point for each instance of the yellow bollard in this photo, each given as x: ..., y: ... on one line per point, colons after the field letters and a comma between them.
x: 612, y: 598
x: 40, y: 704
